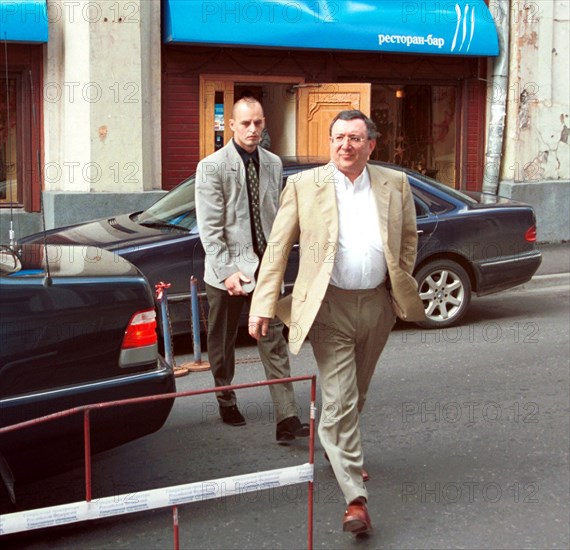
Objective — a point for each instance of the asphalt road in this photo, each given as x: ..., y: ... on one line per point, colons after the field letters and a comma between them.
x: 466, y: 440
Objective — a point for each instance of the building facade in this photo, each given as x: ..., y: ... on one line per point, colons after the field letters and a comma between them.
x: 111, y: 103
x: 535, y: 165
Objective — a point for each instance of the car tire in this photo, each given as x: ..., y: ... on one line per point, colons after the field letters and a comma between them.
x: 445, y: 289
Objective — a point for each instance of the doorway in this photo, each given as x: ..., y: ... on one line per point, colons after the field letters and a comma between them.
x: 297, y: 114
x: 277, y: 95
x: 280, y: 109
x: 417, y: 123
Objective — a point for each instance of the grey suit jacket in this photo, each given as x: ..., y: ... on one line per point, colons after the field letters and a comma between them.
x: 309, y: 215
x: 222, y: 211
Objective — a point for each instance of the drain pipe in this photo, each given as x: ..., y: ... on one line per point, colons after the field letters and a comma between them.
x: 499, y: 96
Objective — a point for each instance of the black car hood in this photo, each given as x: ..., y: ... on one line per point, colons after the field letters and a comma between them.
x: 110, y: 233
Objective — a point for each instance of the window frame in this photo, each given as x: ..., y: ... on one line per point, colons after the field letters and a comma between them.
x: 25, y: 66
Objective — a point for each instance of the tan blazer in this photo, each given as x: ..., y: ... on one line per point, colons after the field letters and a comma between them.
x: 308, y: 214
x: 222, y: 211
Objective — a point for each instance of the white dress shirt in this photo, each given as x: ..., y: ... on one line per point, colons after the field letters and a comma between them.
x: 360, y: 261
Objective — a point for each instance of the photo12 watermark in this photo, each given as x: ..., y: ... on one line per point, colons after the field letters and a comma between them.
x: 454, y: 492
x: 489, y: 333
x: 255, y: 12
x: 92, y: 92
x: 470, y: 412
x: 92, y: 172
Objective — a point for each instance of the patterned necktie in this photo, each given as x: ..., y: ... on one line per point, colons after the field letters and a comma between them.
x: 253, y: 180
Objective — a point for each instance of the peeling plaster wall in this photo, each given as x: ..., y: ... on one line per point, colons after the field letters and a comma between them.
x: 536, y: 148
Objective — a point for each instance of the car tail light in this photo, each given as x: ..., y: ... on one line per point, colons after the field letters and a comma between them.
x: 141, y: 330
x: 530, y: 235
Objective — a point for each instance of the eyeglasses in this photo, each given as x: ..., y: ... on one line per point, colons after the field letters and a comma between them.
x: 353, y: 140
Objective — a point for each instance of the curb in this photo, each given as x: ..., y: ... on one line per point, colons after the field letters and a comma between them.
x: 546, y: 281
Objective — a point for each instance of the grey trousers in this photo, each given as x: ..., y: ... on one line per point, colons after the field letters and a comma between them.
x: 223, y: 322
x: 348, y: 336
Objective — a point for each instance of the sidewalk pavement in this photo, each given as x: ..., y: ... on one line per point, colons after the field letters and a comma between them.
x: 554, y: 269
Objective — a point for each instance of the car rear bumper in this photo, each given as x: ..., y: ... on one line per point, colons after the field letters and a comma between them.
x: 506, y: 272
x: 62, y: 438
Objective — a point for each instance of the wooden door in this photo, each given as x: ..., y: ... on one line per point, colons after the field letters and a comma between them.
x: 214, y: 93
x: 317, y: 106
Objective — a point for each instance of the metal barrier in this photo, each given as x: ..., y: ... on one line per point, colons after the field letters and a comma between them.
x: 173, y: 496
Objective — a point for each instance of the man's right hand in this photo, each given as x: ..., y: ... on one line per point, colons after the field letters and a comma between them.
x: 233, y: 284
x: 258, y: 326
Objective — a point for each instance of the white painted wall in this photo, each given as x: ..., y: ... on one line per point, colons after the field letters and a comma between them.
x: 102, y: 96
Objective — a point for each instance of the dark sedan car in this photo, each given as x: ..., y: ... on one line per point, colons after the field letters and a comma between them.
x: 468, y: 243
x: 76, y: 329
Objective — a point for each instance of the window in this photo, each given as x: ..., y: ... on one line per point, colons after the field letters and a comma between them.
x: 20, y: 127
x: 417, y: 127
x: 9, y: 192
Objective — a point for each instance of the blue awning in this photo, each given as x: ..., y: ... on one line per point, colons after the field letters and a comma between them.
x: 403, y: 26
x: 23, y: 21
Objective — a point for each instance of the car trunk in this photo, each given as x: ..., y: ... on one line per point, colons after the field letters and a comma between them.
x: 63, y: 326
x: 48, y: 339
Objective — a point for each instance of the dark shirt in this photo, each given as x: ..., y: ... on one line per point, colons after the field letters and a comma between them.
x: 246, y: 156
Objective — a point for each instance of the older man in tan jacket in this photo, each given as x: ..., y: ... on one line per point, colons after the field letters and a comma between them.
x: 356, y: 227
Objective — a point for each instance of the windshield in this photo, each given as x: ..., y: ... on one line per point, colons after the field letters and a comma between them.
x: 176, y: 208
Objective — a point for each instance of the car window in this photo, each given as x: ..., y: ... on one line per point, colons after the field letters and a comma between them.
x: 177, y: 208
x: 431, y: 203
x: 421, y: 208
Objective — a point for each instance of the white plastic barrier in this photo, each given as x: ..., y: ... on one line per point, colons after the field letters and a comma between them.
x: 116, y: 505
x: 152, y: 499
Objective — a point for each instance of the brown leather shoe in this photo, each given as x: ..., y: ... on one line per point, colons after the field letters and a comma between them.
x: 365, y: 475
x: 356, y: 519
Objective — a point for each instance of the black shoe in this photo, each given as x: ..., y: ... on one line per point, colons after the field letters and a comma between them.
x: 231, y: 415
x: 290, y: 428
